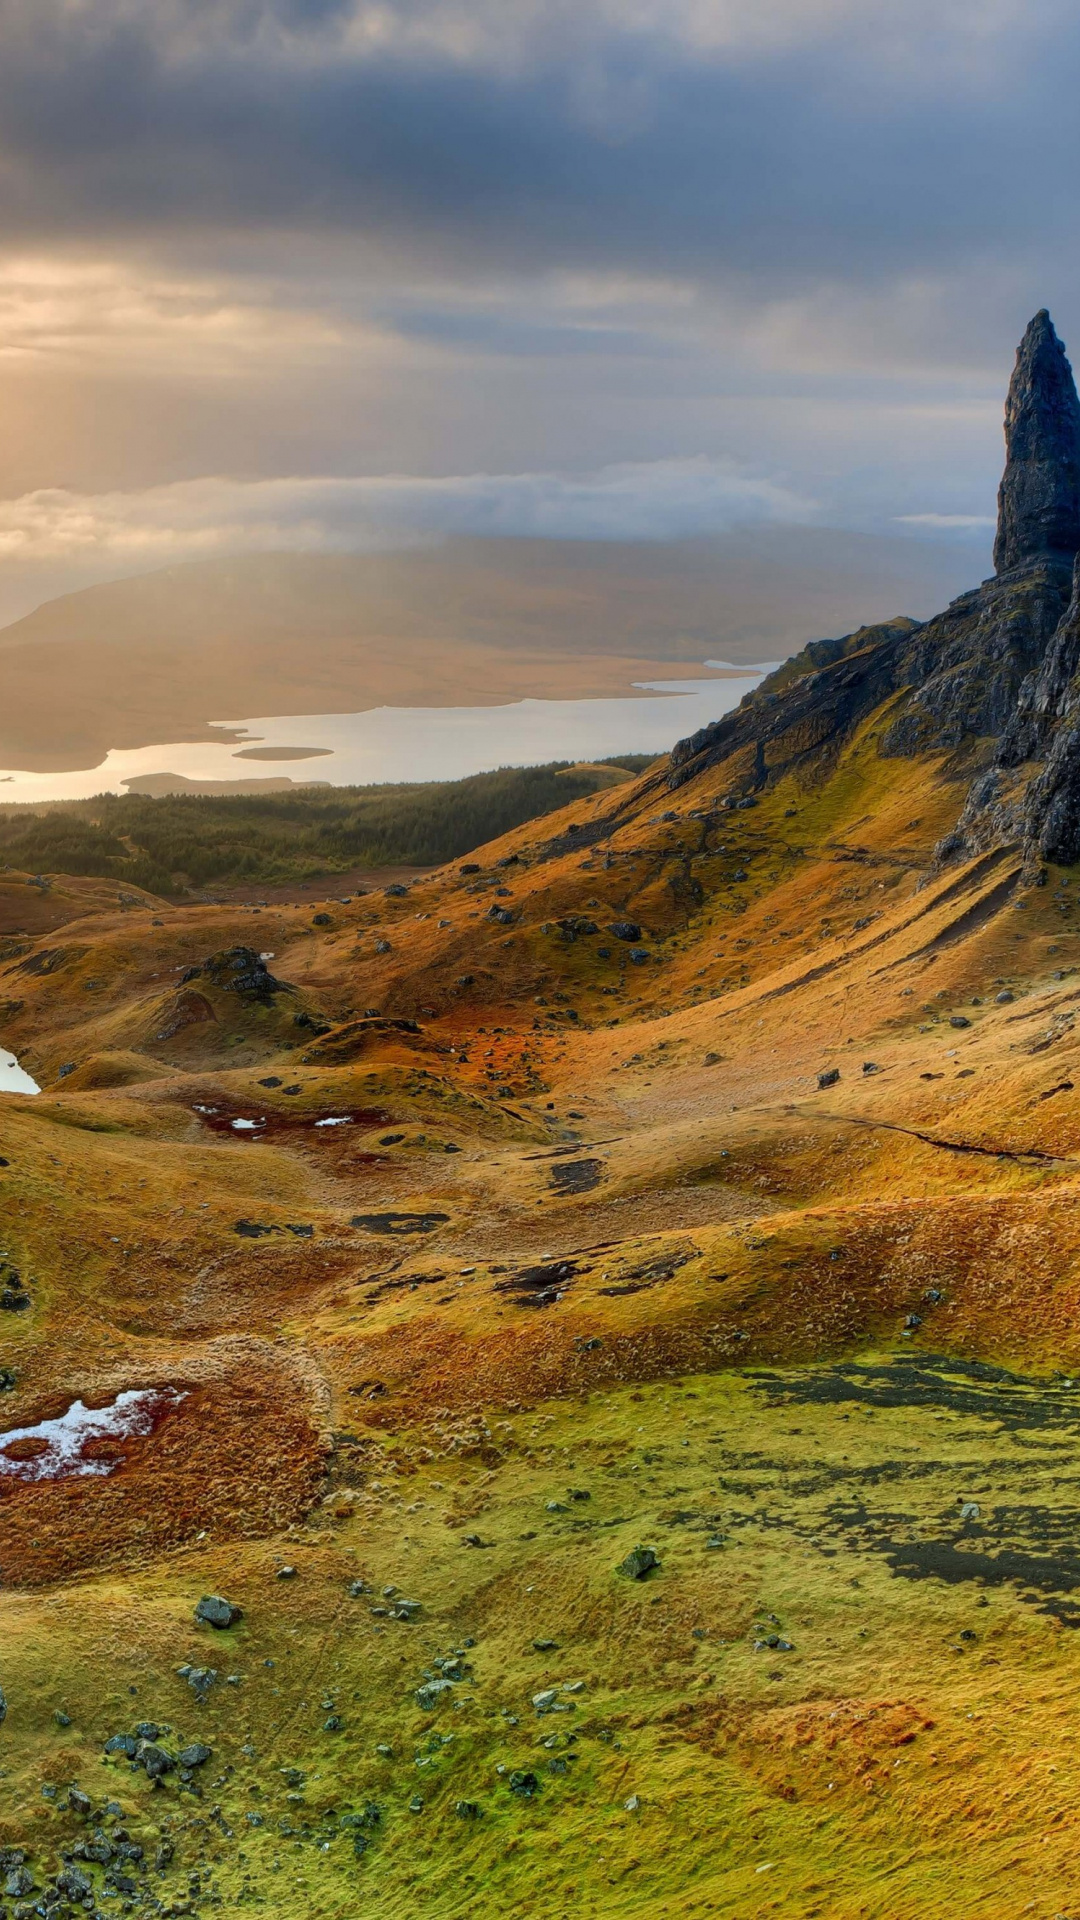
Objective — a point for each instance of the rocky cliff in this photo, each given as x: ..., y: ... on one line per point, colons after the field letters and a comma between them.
x: 1039, y: 497
x: 991, y: 678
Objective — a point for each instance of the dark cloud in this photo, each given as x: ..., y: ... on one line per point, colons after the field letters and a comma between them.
x: 822, y: 155
x: 798, y: 238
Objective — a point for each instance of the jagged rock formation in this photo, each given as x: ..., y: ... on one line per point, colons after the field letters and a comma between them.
x: 994, y: 673
x: 1039, y: 497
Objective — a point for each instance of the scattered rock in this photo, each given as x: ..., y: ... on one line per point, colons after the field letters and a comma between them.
x: 828, y: 1077
x: 156, y: 1760
x: 213, y: 1611
x: 432, y: 1694
x: 639, y: 1563
x: 524, y: 1782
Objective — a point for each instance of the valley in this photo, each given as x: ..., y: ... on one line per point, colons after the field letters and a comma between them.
x: 552, y: 1385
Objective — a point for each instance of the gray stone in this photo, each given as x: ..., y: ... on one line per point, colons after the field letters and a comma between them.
x: 829, y: 1077
x: 1039, y: 497
x: 432, y: 1694
x: 639, y: 1563
x: 196, y: 1755
x: 524, y: 1782
x: 213, y: 1611
x: 74, y: 1884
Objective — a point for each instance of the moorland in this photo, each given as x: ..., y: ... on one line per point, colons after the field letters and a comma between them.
x: 599, y: 1324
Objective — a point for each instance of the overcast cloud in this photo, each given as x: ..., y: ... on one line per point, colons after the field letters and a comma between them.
x: 769, y: 259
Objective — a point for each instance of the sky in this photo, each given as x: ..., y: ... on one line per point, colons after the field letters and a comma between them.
x: 326, y: 273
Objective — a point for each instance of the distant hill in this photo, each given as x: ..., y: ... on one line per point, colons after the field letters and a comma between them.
x: 156, y: 658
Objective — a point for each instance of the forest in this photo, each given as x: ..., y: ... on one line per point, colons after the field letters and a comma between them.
x: 178, y: 844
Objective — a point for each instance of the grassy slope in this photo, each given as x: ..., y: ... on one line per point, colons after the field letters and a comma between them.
x: 729, y: 1362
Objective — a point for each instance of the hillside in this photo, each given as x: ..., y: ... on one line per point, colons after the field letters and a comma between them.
x: 606, y: 1314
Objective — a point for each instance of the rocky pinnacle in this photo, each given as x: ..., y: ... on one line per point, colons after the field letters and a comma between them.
x: 1039, y: 497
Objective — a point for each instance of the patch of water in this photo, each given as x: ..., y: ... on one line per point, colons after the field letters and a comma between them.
x: 13, y: 1078
x: 392, y: 743
x: 60, y: 1449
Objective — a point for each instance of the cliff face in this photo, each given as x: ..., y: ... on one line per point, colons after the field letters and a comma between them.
x: 1039, y: 497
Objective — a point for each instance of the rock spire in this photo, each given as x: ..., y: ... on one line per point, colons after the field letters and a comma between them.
x: 1039, y: 496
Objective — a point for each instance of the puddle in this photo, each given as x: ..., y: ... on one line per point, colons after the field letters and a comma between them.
x: 84, y: 1440
x: 13, y: 1078
x: 253, y: 1125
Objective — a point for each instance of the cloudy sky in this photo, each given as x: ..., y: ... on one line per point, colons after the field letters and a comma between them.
x: 331, y: 272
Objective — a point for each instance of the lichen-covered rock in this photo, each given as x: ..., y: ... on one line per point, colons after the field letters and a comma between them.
x: 1039, y: 497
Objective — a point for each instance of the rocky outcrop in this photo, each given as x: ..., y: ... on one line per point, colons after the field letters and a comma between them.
x: 967, y: 667
x: 1039, y: 497
x: 1045, y: 694
x: 1048, y: 726
x: 239, y: 970
x: 995, y: 671
x: 803, y: 713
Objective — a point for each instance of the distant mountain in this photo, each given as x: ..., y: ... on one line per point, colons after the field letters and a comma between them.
x: 156, y: 658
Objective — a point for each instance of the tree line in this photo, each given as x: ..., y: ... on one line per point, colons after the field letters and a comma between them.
x: 176, y: 843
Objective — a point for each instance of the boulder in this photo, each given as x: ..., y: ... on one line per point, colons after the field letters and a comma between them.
x: 639, y: 1563
x: 213, y: 1611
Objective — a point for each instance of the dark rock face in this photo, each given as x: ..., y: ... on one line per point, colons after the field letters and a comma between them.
x: 1050, y: 822
x: 1044, y: 696
x: 1039, y: 498
x: 968, y: 666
